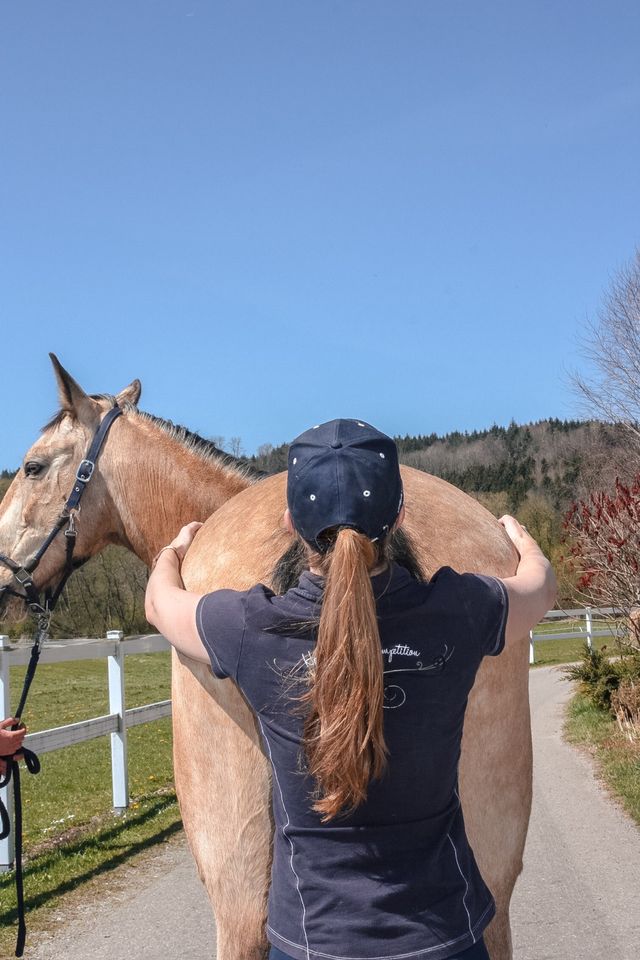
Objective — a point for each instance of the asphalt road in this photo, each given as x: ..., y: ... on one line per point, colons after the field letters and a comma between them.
x: 577, y: 898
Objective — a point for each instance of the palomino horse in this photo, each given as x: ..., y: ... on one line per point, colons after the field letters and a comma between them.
x: 152, y: 478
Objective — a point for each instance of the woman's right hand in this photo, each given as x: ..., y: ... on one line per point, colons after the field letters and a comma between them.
x: 532, y: 589
x: 518, y: 534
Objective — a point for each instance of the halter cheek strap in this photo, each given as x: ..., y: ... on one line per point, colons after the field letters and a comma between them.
x: 42, y: 609
x: 22, y: 572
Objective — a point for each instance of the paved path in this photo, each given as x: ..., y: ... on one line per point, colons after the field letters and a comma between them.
x: 577, y: 897
x: 576, y: 900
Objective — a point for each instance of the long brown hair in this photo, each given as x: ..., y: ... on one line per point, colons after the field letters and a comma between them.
x: 343, y: 736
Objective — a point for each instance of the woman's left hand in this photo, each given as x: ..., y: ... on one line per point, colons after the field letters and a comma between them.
x: 169, y: 606
x: 184, y: 539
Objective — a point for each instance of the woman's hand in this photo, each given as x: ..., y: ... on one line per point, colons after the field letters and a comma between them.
x: 167, y: 605
x: 532, y: 589
x: 184, y: 539
x: 518, y: 534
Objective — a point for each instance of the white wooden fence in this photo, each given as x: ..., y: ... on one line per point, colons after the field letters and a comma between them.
x: 585, y: 632
x: 115, y: 723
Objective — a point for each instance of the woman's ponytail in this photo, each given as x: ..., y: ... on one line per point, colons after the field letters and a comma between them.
x: 343, y: 731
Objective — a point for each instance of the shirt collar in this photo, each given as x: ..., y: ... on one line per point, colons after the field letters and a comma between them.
x: 311, y: 586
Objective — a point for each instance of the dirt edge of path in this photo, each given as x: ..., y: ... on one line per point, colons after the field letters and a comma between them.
x: 43, y: 925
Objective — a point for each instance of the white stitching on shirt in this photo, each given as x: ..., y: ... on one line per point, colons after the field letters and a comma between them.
x: 464, y: 895
x: 203, y: 635
x: 394, y: 956
x: 275, y: 773
x: 391, y: 956
x: 505, y: 611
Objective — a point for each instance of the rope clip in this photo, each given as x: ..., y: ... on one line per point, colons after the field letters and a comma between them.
x: 71, y: 529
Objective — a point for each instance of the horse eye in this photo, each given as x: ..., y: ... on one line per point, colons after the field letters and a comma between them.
x: 32, y: 468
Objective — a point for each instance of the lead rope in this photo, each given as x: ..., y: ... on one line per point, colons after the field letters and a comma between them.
x: 43, y: 613
x: 32, y: 764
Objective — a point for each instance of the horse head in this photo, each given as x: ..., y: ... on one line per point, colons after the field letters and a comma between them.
x: 33, y: 504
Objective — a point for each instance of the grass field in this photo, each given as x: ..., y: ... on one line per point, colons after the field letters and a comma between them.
x: 70, y: 832
x: 548, y: 652
x: 617, y: 758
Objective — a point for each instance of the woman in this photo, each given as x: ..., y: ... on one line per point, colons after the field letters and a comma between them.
x: 359, y: 678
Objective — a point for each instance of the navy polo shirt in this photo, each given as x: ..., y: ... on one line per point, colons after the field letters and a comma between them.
x: 397, y: 877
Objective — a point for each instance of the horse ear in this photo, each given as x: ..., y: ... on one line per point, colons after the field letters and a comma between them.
x: 130, y: 394
x: 72, y: 397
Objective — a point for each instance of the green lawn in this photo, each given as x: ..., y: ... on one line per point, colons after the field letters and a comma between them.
x: 617, y: 757
x: 70, y: 833
x: 548, y: 652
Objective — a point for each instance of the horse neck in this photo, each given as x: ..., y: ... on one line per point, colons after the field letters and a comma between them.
x: 157, y: 484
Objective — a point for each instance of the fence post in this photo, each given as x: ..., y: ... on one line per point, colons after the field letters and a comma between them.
x: 532, y: 655
x: 7, y: 849
x: 119, y: 769
x: 589, y: 620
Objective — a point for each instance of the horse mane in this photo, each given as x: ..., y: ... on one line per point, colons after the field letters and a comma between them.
x: 293, y: 562
x: 200, y: 445
x: 186, y: 438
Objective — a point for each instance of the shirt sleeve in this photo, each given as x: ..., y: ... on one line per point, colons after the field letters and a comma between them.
x: 220, y: 619
x: 487, y: 604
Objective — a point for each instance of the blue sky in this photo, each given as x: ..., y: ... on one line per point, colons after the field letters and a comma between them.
x: 276, y: 213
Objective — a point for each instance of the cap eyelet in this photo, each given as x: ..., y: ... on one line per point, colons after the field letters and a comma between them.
x: 366, y: 493
x: 359, y: 424
x: 381, y: 455
x: 312, y: 496
x: 295, y: 460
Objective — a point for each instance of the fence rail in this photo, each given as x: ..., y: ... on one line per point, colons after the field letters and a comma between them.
x: 116, y: 723
x: 588, y: 633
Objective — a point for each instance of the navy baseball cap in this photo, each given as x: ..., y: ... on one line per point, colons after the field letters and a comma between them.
x: 343, y: 473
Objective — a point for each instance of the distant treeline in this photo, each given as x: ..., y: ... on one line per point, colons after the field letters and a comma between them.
x: 549, y: 457
x: 6, y: 476
x: 534, y: 471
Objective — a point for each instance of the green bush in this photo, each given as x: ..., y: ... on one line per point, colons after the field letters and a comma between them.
x: 600, y: 677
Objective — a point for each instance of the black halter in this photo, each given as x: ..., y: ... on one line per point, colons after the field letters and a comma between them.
x: 22, y: 573
x: 42, y: 609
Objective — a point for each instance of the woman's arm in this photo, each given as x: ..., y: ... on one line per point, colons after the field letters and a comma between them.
x: 168, y: 606
x: 533, y: 589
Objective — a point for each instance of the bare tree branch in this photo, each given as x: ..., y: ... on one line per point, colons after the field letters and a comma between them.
x: 611, y: 344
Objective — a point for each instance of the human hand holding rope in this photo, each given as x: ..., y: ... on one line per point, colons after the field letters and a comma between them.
x: 10, y: 742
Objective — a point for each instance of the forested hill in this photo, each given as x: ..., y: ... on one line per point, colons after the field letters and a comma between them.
x: 556, y: 459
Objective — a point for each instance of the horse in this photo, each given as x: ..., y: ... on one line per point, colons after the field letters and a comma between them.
x: 151, y: 478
